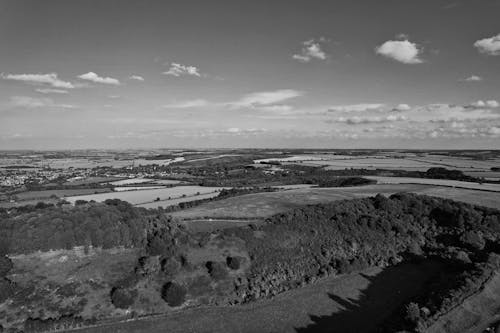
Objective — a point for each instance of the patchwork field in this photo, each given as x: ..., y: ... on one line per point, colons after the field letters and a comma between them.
x: 146, y: 196
x: 410, y: 162
x: 437, y: 182
x: 262, y: 205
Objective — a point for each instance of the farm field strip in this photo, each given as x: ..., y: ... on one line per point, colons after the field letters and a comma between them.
x: 262, y: 205
x: 139, y: 197
x: 436, y: 182
x: 136, y: 188
x: 176, y: 201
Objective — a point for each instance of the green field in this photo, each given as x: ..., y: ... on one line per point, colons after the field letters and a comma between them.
x: 262, y: 205
x: 332, y: 302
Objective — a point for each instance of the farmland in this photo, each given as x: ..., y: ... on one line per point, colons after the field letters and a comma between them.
x: 287, y: 241
x: 262, y: 205
x: 145, y: 196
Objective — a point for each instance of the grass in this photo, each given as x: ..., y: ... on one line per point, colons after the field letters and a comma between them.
x: 53, y: 276
x: 146, y: 196
x: 262, y: 205
x: 366, y: 293
x: 33, y: 195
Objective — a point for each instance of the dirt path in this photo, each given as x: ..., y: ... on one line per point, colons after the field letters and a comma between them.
x: 352, y: 303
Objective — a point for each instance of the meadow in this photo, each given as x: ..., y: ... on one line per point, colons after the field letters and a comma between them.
x: 262, y: 205
x: 145, y: 196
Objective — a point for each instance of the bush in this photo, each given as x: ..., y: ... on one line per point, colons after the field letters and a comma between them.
x: 5, y: 266
x: 174, y: 294
x: 122, y: 298
x: 233, y: 262
x: 413, y: 313
x: 216, y: 270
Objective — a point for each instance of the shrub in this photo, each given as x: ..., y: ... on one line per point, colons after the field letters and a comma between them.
x: 413, y: 313
x: 216, y: 270
x: 6, y: 289
x: 5, y: 265
x: 473, y: 239
x: 122, y: 298
x: 233, y: 262
x: 173, y: 293
x: 170, y: 266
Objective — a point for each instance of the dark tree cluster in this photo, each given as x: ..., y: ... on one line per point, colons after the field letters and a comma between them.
x: 303, y: 244
x: 115, y: 223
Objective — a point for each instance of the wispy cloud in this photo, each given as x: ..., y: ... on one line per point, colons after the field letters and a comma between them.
x: 195, y: 103
x: 177, y: 70
x: 473, y: 78
x: 136, y: 77
x: 93, y: 77
x: 311, y: 49
x: 266, y: 98
x: 355, y: 120
x: 489, y: 46
x: 50, y: 79
x: 402, y: 51
x: 32, y: 103
x: 402, y: 107
x: 356, y: 107
x: 485, y: 104
x: 51, y: 91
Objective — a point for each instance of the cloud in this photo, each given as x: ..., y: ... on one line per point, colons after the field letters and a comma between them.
x: 266, y: 98
x: 356, y: 107
x: 195, y: 103
x: 400, y: 50
x: 356, y: 120
x: 177, y: 70
x: 402, y: 107
x: 473, y: 78
x: 489, y: 46
x: 93, y: 77
x: 136, y: 77
x: 50, y: 79
x: 485, y: 104
x: 51, y: 91
x: 32, y: 103
x: 311, y: 49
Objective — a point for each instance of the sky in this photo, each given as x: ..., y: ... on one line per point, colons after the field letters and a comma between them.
x: 250, y: 74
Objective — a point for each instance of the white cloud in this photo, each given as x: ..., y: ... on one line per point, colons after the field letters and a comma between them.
x: 136, y: 77
x: 93, y: 77
x: 51, y: 91
x: 50, y: 79
x: 195, y: 103
x: 489, y: 46
x: 473, y: 78
x: 485, y: 104
x: 402, y: 107
x: 266, y: 98
x: 400, y: 50
x: 311, y: 49
x: 32, y: 103
x: 370, y: 120
x: 177, y: 70
x: 492, y: 104
x: 356, y: 107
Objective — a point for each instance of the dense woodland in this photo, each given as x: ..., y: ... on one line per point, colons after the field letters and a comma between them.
x: 288, y: 251
x: 114, y: 223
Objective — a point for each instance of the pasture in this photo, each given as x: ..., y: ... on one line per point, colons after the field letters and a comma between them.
x: 410, y: 162
x: 146, y: 196
x: 437, y: 182
x: 262, y: 205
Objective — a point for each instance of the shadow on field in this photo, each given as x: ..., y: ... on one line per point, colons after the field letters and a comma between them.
x: 386, y: 293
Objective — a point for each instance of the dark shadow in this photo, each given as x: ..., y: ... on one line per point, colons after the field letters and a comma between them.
x: 384, y: 298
